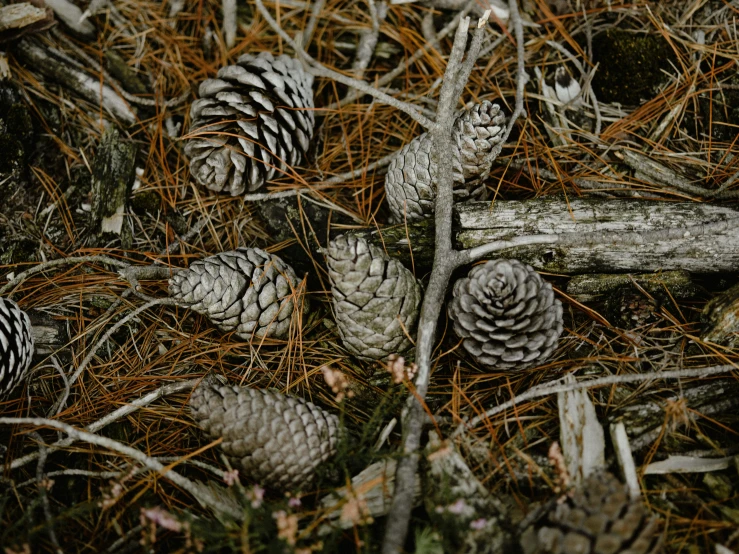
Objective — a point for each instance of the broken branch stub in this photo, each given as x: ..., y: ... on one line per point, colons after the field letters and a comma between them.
x: 113, y: 174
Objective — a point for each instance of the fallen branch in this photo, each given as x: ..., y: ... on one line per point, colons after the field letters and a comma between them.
x: 80, y: 82
x: 121, y: 412
x: 557, y: 386
x: 455, y: 76
x: 202, y: 494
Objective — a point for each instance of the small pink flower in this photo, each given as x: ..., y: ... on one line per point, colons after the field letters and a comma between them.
x: 294, y: 502
x: 231, y: 477
x: 256, y: 495
x: 478, y: 524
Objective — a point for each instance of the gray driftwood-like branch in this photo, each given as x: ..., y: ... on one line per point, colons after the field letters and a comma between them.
x: 52, y: 66
x: 481, y: 223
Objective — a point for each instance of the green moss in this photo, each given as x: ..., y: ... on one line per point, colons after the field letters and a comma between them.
x: 631, y: 66
x: 146, y: 201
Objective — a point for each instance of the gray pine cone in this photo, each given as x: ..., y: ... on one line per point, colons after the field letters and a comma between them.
x: 410, y: 182
x: 274, y: 439
x: 246, y: 290
x: 376, y: 299
x: 251, y: 122
x: 600, y: 518
x: 479, y: 134
x: 16, y: 346
x: 506, y: 314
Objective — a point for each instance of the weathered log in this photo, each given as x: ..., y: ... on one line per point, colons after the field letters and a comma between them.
x: 645, y: 422
x: 590, y: 287
x: 479, y: 223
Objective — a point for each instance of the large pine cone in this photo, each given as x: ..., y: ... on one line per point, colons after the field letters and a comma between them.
x: 410, y: 183
x: 246, y: 290
x: 276, y: 440
x: 600, y: 518
x: 376, y: 299
x: 16, y: 345
x: 251, y: 122
x: 506, y: 314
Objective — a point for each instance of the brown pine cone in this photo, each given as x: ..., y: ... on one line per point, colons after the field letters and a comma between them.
x: 599, y: 518
x: 506, y: 314
x: 410, y: 183
x: 274, y: 439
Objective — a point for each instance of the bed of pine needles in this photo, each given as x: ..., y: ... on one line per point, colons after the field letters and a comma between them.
x: 98, y: 500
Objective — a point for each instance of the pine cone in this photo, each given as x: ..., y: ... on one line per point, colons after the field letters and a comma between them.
x: 246, y: 290
x: 276, y: 440
x: 410, y: 183
x: 479, y: 134
x: 376, y: 299
x: 16, y: 345
x: 251, y: 122
x: 600, y: 518
x: 506, y: 314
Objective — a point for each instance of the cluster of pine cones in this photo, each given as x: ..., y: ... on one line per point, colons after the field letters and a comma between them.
x: 253, y: 121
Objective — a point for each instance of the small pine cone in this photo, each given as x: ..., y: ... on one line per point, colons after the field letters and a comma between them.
x: 376, y: 299
x: 16, y: 345
x: 630, y: 308
x: 246, y: 290
x: 251, y: 122
x: 410, y: 183
x: 506, y: 314
x: 479, y: 134
x: 276, y: 440
x: 599, y: 518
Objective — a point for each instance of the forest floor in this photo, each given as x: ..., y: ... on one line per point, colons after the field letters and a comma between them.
x: 656, y: 78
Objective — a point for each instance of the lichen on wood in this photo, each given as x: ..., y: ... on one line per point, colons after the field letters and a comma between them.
x: 113, y: 173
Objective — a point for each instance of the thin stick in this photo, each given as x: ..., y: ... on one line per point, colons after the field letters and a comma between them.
x: 310, y: 28
x: 558, y: 386
x: 444, y: 264
x: 62, y: 261
x: 202, y: 494
x: 121, y: 412
x: 57, y: 408
x: 319, y: 70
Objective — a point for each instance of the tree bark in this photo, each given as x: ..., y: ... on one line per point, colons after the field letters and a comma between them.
x: 478, y: 223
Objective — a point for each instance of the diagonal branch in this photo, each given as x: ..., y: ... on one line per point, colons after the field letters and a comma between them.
x: 202, y: 494
x: 444, y: 263
x: 317, y: 69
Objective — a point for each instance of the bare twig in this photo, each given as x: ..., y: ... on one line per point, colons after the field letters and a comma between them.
x: 121, y: 412
x: 558, y: 386
x: 444, y: 264
x: 319, y: 70
x: 200, y: 493
x: 41, y: 483
x: 18, y: 279
x: 310, y: 28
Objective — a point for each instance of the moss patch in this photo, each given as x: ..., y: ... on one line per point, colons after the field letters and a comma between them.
x: 631, y: 65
